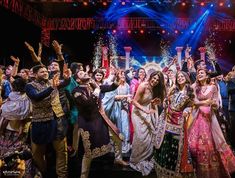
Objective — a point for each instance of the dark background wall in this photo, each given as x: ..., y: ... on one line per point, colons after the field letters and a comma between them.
x: 79, y: 45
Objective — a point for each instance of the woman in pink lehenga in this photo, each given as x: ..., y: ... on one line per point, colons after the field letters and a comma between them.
x: 212, y: 156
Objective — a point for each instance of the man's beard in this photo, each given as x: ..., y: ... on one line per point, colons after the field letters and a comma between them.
x: 85, y: 80
x: 43, y: 79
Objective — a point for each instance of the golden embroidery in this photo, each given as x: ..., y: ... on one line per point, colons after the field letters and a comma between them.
x: 96, y: 152
x: 76, y: 94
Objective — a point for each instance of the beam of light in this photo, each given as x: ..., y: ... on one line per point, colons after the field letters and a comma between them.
x: 134, y: 62
x: 192, y: 38
x: 221, y: 16
x: 117, y: 11
x: 198, y: 30
x: 163, y: 19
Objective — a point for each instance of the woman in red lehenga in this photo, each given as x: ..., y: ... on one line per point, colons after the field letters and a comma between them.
x: 212, y: 156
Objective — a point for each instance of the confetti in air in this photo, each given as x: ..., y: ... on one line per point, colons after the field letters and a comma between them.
x: 165, y: 53
x: 113, y: 51
x: 98, y: 53
x: 213, y: 49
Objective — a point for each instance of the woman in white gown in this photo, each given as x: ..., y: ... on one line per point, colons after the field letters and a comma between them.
x: 144, y: 116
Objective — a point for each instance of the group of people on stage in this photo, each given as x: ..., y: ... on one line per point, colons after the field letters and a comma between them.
x: 179, y: 122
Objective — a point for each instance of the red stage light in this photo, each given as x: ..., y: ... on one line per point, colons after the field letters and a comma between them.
x: 123, y: 3
x: 85, y: 3
x: 105, y: 4
x: 129, y: 31
x: 202, y: 4
x: 221, y: 4
x: 114, y: 31
x: 183, y: 4
x: 163, y: 31
x: 141, y: 31
x: 176, y: 31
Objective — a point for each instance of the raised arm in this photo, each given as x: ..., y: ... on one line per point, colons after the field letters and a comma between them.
x: 35, y: 57
x: 37, y: 96
x: 16, y: 61
x: 58, y: 50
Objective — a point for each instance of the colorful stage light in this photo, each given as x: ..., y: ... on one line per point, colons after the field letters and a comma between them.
x: 221, y: 4
x: 183, y: 4
x: 129, y: 31
x: 85, y: 3
x: 114, y: 31
x: 202, y: 4
x: 142, y: 31
x: 105, y: 3
x: 123, y: 3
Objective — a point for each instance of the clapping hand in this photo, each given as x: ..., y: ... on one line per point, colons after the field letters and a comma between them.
x: 57, y: 47
x: 66, y: 72
x: 56, y: 81
x: 156, y: 101
x: 87, y: 68
x: 30, y: 48
x: 36, y: 58
x: 15, y: 59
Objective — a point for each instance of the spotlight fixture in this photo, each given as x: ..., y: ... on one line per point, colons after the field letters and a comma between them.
x: 163, y: 31
x: 85, y: 3
x: 105, y: 3
x: 123, y: 3
x: 202, y: 4
x: 114, y: 31
x: 221, y: 4
x: 129, y: 31
x: 141, y: 31
x: 183, y: 4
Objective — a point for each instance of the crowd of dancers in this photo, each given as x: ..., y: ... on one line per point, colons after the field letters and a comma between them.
x: 179, y: 122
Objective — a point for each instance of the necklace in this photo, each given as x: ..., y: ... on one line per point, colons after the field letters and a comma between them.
x: 203, y: 89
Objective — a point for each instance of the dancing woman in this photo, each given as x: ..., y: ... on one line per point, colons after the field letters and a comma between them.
x: 144, y: 117
x: 171, y: 156
x: 210, y: 152
x: 116, y: 106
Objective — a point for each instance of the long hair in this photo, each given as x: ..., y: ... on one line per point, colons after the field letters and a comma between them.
x: 159, y: 90
x: 98, y: 71
x: 137, y: 73
x: 198, y: 84
x: 189, y: 90
x: 121, y: 71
